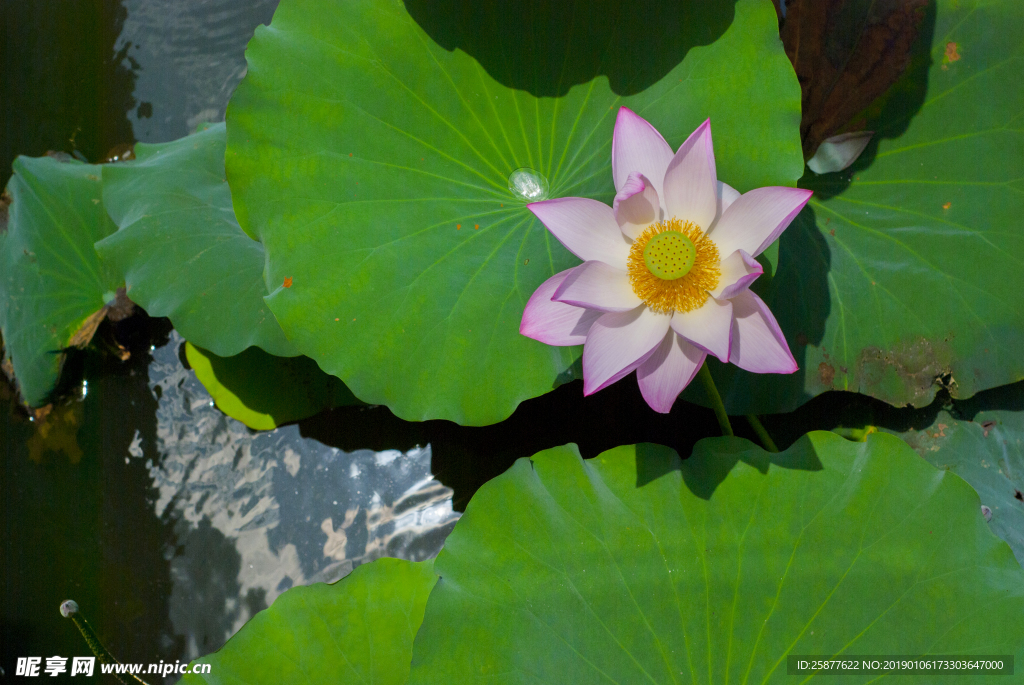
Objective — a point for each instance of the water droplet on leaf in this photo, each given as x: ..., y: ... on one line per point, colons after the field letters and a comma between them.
x: 528, y: 184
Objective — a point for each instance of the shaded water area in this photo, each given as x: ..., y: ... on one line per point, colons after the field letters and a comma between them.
x: 172, y: 524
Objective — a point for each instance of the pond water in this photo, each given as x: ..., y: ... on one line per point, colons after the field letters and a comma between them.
x: 172, y: 524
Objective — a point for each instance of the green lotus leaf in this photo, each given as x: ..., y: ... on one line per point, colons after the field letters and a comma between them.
x: 905, y: 272
x: 637, y: 567
x: 378, y: 179
x: 180, y: 249
x: 357, y: 630
x: 987, y: 451
x: 54, y: 290
x: 263, y: 391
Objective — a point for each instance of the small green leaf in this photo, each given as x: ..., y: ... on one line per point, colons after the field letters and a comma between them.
x: 637, y: 567
x: 379, y: 180
x: 357, y: 630
x: 54, y: 290
x: 181, y: 250
x: 263, y: 391
x: 987, y: 451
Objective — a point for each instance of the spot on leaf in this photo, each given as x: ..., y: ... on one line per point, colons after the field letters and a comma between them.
x: 288, y: 282
x: 951, y: 54
x: 827, y: 373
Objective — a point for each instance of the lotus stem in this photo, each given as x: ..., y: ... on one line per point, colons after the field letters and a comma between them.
x: 716, y: 399
x: 856, y: 434
x: 69, y: 609
x: 762, y: 433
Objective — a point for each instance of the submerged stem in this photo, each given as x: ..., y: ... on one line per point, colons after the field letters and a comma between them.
x: 69, y: 609
x: 716, y: 399
x: 762, y: 433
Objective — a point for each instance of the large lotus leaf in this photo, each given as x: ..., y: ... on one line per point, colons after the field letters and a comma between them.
x: 988, y: 452
x: 636, y: 567
x: 905, y: 272
x: 263, y: 391
x: 181, y: 250
x: 54, y: 290
x: 357, y: 630
x: 370, y: 148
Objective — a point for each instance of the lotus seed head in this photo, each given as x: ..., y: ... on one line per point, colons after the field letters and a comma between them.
x: 669, y: 255
x: 672, y: 266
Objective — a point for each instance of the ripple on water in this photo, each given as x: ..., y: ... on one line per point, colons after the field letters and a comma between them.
x: 273, y: 509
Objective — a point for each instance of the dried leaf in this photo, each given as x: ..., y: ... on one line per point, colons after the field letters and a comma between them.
x: 84, y: 334
x: 5, y: 202
x: 121, y: 308
x: 121, y: 152
x: 846, y: 53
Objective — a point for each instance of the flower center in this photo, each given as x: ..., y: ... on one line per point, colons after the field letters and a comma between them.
x: 672, y: 265
x: 669, y: 255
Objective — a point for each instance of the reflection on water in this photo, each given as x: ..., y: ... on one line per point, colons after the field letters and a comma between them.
x: 256, y: 513
x: 188, y: 58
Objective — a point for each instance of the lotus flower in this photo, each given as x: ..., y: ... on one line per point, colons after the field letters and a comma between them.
x: 666, y: 269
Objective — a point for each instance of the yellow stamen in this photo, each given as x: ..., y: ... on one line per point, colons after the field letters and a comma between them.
x: 682, y: 293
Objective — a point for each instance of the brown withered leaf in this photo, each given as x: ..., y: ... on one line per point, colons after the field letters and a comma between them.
x: 846, y: 53
x: 120, y: 308
x: 40, y: 413
x: 57, y: 432
x: 121, y: 152
x: 5, y: 202
x: 7, y: 368
x: 83, y: 335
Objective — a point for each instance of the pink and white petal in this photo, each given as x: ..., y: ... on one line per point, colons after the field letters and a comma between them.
x: 756, y: 219
x: 637, y: 147
x: 634, y: 184
x: 595, y: 285
x: 636, y: 206
x: 690, y: 192
x: 739, y: 270
x: 618, y: 342
x: 556, y: 323
x: 726, y: 196
x: 757, y: 341
x: 709, y: 328
x: 586, y: 227
x: 838, y: 152
x: 668, y: 371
